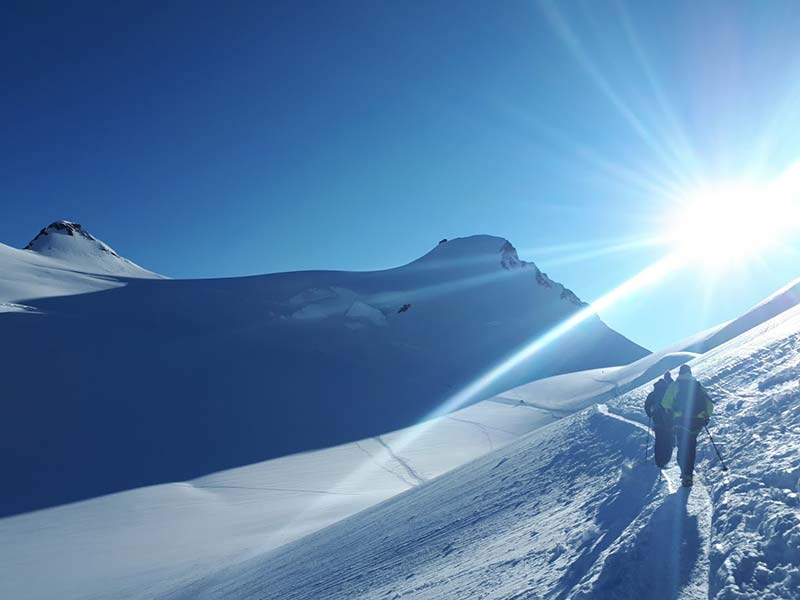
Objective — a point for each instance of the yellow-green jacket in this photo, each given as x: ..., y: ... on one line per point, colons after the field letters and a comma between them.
x: 688, y: 403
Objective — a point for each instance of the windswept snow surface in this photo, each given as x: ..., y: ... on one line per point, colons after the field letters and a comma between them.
x: 165, y: 536
x: 148, y: 381
x: 573, y: 511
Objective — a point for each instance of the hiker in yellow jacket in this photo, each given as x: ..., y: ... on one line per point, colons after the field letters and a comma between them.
x: 688, y: 405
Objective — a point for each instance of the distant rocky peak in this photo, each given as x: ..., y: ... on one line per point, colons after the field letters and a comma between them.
x: 509, y: 259
x: 67, y: 228
x: 566, y: 294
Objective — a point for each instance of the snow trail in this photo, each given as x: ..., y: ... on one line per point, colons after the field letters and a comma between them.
x: 555, y: 413
x: 675, y: 529
x: 383, y: 466
x: 481, y: 427
x: 268, y: 489
x: 403, y: 463
x: 670, y: 475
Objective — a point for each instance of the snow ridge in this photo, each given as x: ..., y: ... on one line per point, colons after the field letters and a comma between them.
x: 489, y: 252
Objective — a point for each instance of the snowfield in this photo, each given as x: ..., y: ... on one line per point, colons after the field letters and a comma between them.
x: 573, y: 511
x: 167, y: 534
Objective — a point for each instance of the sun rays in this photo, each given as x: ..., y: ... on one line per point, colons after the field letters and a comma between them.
x: 701, y: 223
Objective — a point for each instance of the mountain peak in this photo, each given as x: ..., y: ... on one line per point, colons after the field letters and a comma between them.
x: 69, y: 242
x: 45, y: 244
x: 489, y: 252
x: 474, y: 248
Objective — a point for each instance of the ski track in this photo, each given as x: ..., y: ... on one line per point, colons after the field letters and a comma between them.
x: 554, y: 412
x: 482, y: 427
x: 381, y: 465
x: 269, y: 489
x: 409, y: 469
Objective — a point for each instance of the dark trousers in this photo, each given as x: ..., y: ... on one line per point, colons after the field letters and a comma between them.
x: 665, y: 441
x: 687, y: 450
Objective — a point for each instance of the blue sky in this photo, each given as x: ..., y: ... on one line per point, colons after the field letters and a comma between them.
x: 213, y: 139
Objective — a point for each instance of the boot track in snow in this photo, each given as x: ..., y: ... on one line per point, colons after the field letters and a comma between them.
x: 675, y: 531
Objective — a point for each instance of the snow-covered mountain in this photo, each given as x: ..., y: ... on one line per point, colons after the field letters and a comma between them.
x: 69, y: 242
x: 568, y: 511
x: 148, y: 380
x: 559, y: 510
x: 62, y: 260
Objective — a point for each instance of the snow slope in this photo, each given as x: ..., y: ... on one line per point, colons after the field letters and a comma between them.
x: 181, y: 532
x: 150, y: 380
x: 572, y: 511
x: 166, y: 535
x: 578, y: 390
x: 782, y: 300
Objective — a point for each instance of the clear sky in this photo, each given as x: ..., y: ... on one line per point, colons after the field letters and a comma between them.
x: 217, y: 139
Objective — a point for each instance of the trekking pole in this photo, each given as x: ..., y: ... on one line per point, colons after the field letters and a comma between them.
x: 724, y: 466
x: 647, y: 440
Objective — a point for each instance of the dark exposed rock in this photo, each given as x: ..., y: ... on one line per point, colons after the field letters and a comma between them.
x: 543, y: 279
x: 570, y: 296
x: 509, y: 259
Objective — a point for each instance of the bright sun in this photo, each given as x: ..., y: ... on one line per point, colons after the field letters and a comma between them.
x: 730, y: 223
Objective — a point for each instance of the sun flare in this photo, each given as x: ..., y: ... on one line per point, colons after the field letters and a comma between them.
x: 731, y: 222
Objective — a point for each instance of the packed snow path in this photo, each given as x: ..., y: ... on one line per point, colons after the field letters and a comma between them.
x: 676, y: 534
x: 755, y: 550
x: 670, y: 475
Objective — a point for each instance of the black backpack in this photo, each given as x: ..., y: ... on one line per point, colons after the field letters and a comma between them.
x: 652, y: 404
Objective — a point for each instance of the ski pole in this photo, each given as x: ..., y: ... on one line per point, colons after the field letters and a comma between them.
x: 647, y: 440
x: 724, y: 466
